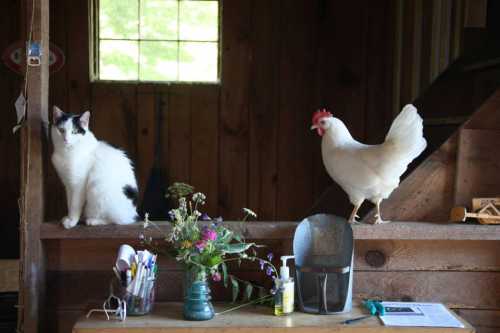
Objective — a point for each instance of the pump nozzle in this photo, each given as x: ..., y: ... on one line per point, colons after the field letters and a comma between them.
x: 284, y: 269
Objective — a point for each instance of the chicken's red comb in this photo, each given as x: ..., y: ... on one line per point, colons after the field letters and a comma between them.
x: 320, y: 114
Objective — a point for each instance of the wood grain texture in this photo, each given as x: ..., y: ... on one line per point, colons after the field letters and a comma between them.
x: 32, y: 267
x: 264, y: 108
x: 296, y: 65
x: 455, y: 289
x: 477, y: 166
x: 168, y: 318
x: 286, y: 229
x: 204, y: 144
x: 233, y: 135
x: 10, y: 83
x: 399, y: 255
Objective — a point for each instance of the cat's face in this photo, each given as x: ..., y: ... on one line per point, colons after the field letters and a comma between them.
x: 70, y: 128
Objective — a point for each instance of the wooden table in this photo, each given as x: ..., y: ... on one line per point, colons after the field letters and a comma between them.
x: 167, y: 318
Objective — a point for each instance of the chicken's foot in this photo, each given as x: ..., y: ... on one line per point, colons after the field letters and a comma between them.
x: 378, y: 218
x: 354, y: 215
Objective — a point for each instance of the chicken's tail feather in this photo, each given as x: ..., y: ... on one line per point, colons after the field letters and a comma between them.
x: 406, y: 133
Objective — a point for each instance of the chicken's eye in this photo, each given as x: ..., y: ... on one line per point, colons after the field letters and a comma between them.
x: 322, y: 122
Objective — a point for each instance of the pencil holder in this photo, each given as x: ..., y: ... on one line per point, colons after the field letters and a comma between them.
x: 139, y: 300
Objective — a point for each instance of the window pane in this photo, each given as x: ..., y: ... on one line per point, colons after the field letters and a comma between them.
x: 119, y: 19
x: 158, y: 61
x: 118, y: 60
x: 198, y: 61
x: 159, y: 19
x: 199, y: 20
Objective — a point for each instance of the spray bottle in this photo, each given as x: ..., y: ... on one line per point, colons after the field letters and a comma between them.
x: 285, y: 290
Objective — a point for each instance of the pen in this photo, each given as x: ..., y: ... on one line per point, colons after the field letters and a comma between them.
x: 354, y: 320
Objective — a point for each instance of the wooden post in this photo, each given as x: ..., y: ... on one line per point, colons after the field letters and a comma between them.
x: 32, y: 275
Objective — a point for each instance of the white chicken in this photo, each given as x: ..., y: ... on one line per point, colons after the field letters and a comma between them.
x: 369, y: 172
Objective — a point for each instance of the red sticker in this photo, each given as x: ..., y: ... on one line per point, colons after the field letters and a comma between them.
x: 12, y: 57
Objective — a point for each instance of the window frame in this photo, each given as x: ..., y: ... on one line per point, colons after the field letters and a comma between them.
x: 94, y: 60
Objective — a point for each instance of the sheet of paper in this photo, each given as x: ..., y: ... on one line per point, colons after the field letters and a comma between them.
x: 422, y: 314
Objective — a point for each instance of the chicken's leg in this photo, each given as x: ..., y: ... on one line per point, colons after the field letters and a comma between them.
x: 354, y: 214
x: 378, y: 217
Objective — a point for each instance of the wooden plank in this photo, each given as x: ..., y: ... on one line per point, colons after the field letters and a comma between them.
x: 9, y: 275
x: 100, y: 255
x: 145, y: 136
x: 113, y: 115
x: 204, y: 143
x: 285, y: 230
x: 379, y: 79
x: 455, y: 289
x: 77, y: 53
x: 426, y: 255
x: 482, y: 320
x: 263, y: 108
x: 32, y: 286
x: 446, y: 13
x: 176, y: 132
x: 411, y: 50
x: 295, y: 164
x: 94, y: 287
x: 167, y: 318
x: 457, y: 26
x: 233, y: 136
x: 10, y: 84
x: 475, y: 14
x: 370, y: 255
x: 477, y: 166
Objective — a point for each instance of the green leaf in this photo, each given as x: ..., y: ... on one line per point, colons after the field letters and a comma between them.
x: 235, y: 288
x: 248, y: 292
x: 238, y: 247
x: 224, y: 274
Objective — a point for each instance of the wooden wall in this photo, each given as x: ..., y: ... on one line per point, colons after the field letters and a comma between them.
x: 245, y: 142
x: 10, y: 88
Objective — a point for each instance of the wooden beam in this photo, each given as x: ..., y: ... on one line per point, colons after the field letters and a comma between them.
x: 32, y: 204
x: 260, y: 230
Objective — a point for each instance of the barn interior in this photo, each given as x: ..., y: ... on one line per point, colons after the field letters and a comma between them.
x: 243, y: 138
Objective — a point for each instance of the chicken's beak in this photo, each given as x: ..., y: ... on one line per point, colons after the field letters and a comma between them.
x: 313, y: 127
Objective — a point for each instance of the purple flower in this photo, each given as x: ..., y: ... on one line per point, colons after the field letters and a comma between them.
x: 262, y: 263
x: 270, y: 256
x: 208, y: 234
x: 269, y: 270
x: 200, y: 245
x: 205, y: 217
x: 216, y: 277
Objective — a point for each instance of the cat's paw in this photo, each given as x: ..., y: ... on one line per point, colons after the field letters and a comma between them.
x: 68, y: 222
x: 95, y: 222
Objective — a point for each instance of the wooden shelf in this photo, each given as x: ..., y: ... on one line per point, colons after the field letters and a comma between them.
x: 285, y: 230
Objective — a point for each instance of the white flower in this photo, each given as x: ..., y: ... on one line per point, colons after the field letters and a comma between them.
x: 249, y: 212
x: 199, y: 197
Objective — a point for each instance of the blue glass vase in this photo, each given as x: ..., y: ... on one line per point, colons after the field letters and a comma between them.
x: 197, y: 305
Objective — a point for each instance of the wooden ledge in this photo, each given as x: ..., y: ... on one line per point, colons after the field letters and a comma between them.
x: 167, y: 317
x: 285, y: 230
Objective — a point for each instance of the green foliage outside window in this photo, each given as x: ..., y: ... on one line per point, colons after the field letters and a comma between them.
x: 158, y: 40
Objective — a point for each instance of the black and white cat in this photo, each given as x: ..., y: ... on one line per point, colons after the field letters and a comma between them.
x: 98, y: 177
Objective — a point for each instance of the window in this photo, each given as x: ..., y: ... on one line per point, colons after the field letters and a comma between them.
x: 157, y: 40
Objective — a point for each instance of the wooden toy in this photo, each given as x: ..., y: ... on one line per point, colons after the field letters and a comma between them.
x: 459, y: 214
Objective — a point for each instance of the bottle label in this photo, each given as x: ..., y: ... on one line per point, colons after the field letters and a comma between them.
x: 288, y: 297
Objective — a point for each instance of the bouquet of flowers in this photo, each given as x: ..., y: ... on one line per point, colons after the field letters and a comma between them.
x: 205, y: 246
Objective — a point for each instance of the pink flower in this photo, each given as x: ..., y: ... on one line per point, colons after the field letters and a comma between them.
x: 216, y: 277
x: 200, y: 245
x: 208, y: 234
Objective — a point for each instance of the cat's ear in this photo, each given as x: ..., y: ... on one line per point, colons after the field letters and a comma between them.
x: 85, y: 119
x: 56, y: 113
